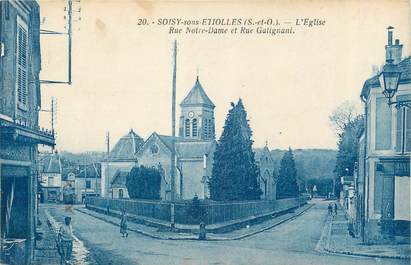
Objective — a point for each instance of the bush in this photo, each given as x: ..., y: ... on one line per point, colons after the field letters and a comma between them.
x: 144, y: 183
x: 196, y: 212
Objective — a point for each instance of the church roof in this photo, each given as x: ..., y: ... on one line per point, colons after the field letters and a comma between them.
x: 188, y: 148
x: 197, y: 96
x: 127, y: 147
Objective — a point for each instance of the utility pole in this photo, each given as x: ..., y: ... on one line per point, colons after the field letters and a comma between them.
x: 70, y: 13
x: 173, y: 125
x: 173, y: 141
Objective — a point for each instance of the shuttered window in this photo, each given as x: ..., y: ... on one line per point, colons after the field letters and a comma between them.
x: 398, y: 132
x: 195, y: 128
x: 403, y: 130
x: 205, y: 128
x: 187, y: 128
x: 22, y: 62
x: 383, y: 125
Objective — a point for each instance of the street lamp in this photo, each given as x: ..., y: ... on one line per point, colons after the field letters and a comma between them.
x: 389, y: 81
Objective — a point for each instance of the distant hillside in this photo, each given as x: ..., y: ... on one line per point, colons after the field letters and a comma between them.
x: 81, y: 158
x: 311, y: 163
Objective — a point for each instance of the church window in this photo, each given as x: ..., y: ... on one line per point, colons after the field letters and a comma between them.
x: 205, y: 128
x: 195, y: 131
x: 187, y: 128
x: 154, y: 149
x: 210, y: 129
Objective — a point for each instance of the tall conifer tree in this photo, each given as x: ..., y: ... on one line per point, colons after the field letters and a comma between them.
x: 235, y: 172
x: 287, y: 180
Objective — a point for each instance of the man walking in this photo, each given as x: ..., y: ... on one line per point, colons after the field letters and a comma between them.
x: 65, y: 241
x: 335, y: 209
x: 330, y: 209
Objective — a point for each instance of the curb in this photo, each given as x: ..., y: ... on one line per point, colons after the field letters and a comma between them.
x: 370, y: 255
x: 326, y: 237
x: 194, y: 237
x: 271, y: 226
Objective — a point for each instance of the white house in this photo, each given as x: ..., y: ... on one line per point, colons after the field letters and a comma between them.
x: 384, y: 157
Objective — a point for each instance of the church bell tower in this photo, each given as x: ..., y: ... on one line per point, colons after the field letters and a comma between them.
x: 197, y: 115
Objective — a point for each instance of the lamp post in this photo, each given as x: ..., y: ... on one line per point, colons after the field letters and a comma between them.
x: 389, y: 81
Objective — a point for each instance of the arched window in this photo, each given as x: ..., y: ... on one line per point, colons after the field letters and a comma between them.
x: 187, y: 125
x: 195, y: 131
x: 205, y: 129
x: 120, y: 194
x: 210, y: 129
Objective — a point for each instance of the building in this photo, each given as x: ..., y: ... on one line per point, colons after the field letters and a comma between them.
x: 118, y: 185
x: 122, y: 157
x: 194, y: 151
x: 267, y: 179
x: 50, y: 175
x: 87, y: 181
x: 20, y: 100
x: 68, y: 181
x: 383, y: 185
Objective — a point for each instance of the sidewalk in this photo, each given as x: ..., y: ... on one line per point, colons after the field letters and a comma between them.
x: 335, y: 239
x: 154, y: 232
x: 45, y: 250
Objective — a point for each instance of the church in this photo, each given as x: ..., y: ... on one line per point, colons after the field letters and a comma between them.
x: 194, y: 147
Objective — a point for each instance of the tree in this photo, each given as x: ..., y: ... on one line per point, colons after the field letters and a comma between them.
x: 235, y: 172
x: 196, y: 212
x: 348, y: 147
x: 343, y: 115
x: 144, y: 183
x: 287, y: 186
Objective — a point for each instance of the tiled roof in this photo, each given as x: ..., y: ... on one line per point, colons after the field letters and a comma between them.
x: 127, y: 147
x: 120, y: 179
x: 188, y: 148
x: 404, y: 66
x: 51, y: 163
x: 89, y: 171
x: 66, y: 171
x: 197, y: 96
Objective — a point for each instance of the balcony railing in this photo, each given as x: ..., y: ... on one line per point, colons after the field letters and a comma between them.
x: 22, y: 128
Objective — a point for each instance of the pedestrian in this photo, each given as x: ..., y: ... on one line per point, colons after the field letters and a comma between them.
x: 330, y: 209
x: 335, y: 208
x: 123, y: 225
x: 65, y: 241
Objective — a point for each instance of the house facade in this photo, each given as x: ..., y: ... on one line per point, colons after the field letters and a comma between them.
x: 51, y: 178
x: 87, y: 181
x: 20, y: 100
x: 383, y: 184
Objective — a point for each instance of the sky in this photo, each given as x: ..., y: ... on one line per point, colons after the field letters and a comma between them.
x: 290, y: 84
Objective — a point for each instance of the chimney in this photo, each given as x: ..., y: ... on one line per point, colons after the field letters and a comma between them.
x: 390, y: 35
x: 393, y: 52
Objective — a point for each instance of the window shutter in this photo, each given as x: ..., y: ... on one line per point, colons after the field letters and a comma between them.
x: 407, y: 141
x: 398, y: 133
x: 194, y: 127
x: 21, y: 61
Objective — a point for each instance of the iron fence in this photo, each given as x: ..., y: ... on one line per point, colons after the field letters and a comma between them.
x: 214, y: 212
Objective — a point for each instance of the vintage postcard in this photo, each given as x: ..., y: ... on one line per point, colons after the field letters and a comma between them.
x: 205, y: 132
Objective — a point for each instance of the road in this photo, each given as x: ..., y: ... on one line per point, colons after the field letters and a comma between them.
x: 293, y: 243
